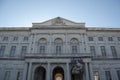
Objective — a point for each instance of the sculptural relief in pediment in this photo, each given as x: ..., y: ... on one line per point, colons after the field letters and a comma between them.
x: 58, y: 21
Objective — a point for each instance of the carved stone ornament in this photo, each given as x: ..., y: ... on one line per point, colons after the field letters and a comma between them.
x: 78, y: 66
x: 58, y: 21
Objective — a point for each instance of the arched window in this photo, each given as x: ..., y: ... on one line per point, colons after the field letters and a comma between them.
x: 42, y: 41
x: 74, y: 45
x: 42, y: 45
x: 58, y: 45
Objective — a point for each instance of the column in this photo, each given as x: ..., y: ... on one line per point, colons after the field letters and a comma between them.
x: 25, y: 71
x: 113, y: 74
x: 30, y: 44
x: 86, y: 71
x: 29, y: 71
x: 66, y: 45
x: 102, y: 73
x: 33, y: 46
x: 83, y: 43
x: 50, y: 46
x: 91, y: 71
x: 68, y: 71
x: 48, y: 72
x: 2, y: 73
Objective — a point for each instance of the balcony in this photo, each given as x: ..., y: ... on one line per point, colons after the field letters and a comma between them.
x: 62, y: 55
x: 108, y: 57
x: 8, y: 56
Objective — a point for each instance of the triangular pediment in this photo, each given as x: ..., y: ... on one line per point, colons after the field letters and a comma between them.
x: 58, y: 21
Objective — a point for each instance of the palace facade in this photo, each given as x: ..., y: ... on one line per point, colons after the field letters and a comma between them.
x: 59, y: 49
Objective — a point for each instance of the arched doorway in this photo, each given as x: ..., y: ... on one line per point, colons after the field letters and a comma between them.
x: 58, y: 73
x: 40, y: 73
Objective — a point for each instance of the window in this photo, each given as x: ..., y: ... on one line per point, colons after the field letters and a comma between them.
x: 58, y: 45
x: 42, y: 49
x: 23, y: 50
x: 7, y: 75
x: 100, y: 38
x: 58, y: 49
x: 103, y: 51
x: 113, y: 50
x: 74, y: 45
x: 5, y: 39
x: 108, y: 75
x: 96, y: 75
x: 74, y: 49
x: 2, y: 50
x: 25, y: 38
x: 92, y: 50
x: 19, y: 75
x: 42, y: 45
x: 15, y: 38
x: 12, y: 51
x: 118, y: 74
x: 118, y: 38
x: 90, y: 38
x: 110, y: 39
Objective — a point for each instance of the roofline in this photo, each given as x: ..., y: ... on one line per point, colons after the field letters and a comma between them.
x: 71, y: 27
x: 14, y: 28
x: 101, y: 29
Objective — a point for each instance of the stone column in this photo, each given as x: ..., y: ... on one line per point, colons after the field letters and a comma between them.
x: 50, y: 41
x: 25, y: 71
x: 114, y: 74
x: 83, y: 45
x: 66, y: 44
x: 91, y: 71
x: 48, y: 72
x: 86, y: 71
x: 2, y: 72
x: 33, y: 46
x: 30, y: 44
x: 29, y: 71
x: 68, y: 71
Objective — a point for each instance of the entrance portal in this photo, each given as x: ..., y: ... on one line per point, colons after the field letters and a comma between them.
x: 39, y: 73
x: 58, y: 73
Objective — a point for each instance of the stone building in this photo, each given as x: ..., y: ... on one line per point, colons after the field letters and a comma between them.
x: 59, y: 49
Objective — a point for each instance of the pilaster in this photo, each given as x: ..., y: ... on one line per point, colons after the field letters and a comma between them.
x: 29, y: 71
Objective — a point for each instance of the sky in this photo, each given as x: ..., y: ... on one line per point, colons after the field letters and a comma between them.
x: 95, y: 13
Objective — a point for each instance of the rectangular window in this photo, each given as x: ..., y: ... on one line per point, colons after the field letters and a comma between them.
x: 25, y: 38
x: 5, y: 39
x: 12, y: 51
x: 92, y: 50
x: 110, y: 39
x: 100, y: 38
x: 96, y: 75
x: 23, y: 50
x: 58, y: 49
x: 108, y: 75
x: 2, y: 50
x: 15, y: 38
x: 90, y: 38
x: 7, y: 75
x: 74, y: 49
x: 118, y: 74
x: 103, y: 51
x: 113, y: 50
x: 42, y: 49
x: 19, y: 75
x: 118, y: 38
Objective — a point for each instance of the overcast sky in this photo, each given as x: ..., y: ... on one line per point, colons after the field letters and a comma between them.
x: 95, y: 13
